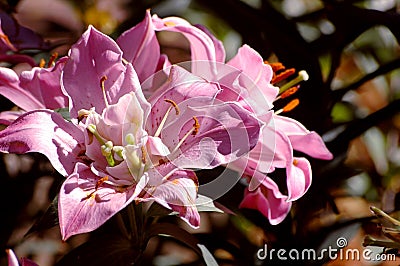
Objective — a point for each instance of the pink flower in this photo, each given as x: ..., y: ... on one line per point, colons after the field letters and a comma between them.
x: 118, y: 147
x: 38, y: 88
x: 246, y: 79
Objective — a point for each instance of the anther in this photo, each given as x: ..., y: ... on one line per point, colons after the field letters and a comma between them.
x: 283, y: 75
x: 102, y: 80
x: 289, y: 107
x: 52, y: 59
x: 174, y: 105
x: 194, y: 130
x: 7, y: 40
x: 100, y: 182
x: 143, y: 155
x: 303, y: 76
x: 169, y: 23
x: 196, y: 126
x: 42, y: 63
x: 275, y: 66
x: 288, y: 93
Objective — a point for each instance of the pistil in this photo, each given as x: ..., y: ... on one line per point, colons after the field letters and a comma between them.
x: 303, y: 76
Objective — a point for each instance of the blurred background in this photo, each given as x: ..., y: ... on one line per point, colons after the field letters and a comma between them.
x: 351, y: 51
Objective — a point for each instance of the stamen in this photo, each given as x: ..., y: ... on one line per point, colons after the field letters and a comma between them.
x: 295, y: 162
x: 194, y: 130
x: 83, y: 113
x: 42, y: 63
x: 102, y: 80
x: 283, y: 75
x: 289, y: 107
x: 275, y: 66
x: 52, y: 59
x: 169, y: 23
x: 303, y: 76
x: 100, y: 182
x: 7, y: 40
x: 288, y: 93
x: 143, y: 155
x: 196, y: 126
x: 93, y: 193
x: 173, y: 105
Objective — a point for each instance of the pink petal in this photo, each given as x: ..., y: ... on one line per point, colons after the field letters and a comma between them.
x: 141, y: 48
x: 201, y: 45
x: 178, y: 192
x: 12, y: 258
x: 7, y: 117
x: 268, y: 200
x: 302, y: 139
x: 11, y: 89
x: 298, y: 178
x: 218, y: 45
x: 260, y: 74
x: 48, y: 133
x: 94, y: 56
x: 44, y: 85
x: 83, y: 209
x: 226, y: 132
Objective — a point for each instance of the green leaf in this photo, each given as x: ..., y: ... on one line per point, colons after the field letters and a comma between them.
x: 64, y: 112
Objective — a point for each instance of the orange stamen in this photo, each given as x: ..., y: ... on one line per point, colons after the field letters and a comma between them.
x: 276, y: 66
x: 7, y: 40
x: 289, y: 92
x: 291, y: 105
x: 196, y: 126
x: 169, y: 23
x: 282, y: 76
x: 143, y: 155
x: 42, y: 63
x: 100, y: 182
x: 174, y: 105
x: 52, y: 59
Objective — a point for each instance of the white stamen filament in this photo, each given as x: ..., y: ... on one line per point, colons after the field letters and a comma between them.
x: 102, y: 80
x: 173, y: 105
x: 160, y: 127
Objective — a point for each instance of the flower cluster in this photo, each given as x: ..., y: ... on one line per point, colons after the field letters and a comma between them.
x: 124, y: 125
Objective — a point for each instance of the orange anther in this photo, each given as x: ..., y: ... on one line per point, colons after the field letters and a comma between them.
x: 52, y: 59
x: 289, y: 92
x: 291, y: 105
x: 174, y: 105
x: 284, y: 75
x: 196, y: 126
